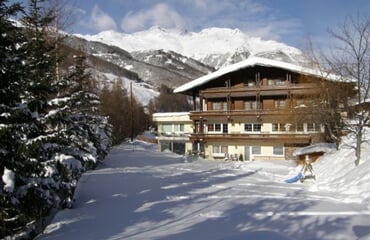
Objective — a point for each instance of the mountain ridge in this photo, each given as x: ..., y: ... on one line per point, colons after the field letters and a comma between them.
x: 216, y: 47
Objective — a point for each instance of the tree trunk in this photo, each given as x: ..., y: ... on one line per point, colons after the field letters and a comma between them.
x: 358, y: 147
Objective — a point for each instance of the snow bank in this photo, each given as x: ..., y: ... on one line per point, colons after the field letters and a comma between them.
x: 337, y: 172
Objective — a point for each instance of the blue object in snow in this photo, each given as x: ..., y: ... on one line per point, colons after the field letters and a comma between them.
x: 295, y: 178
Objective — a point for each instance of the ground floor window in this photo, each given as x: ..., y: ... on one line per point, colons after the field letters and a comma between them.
x: 219, y: 149
x: 176, y: 147
x: 278, y: 150
x: 256, y: 150
x: 198, y: 147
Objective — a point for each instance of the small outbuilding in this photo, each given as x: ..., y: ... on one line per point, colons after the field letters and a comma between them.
x: 313, y: 151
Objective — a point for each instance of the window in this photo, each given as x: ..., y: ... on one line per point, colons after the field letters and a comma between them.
x: 254, y: 105
x: 278, y: 150
x: 256, y: 150
x: 219, y: 149
x: 275, y: 127
x: 217, y: 128
x: 166, y: 128
x: 248, y: 127
x: 179, y: 127
x: 280, y: 82
x: 247, y: 106
x: 224, y: 128
x: 252, y: 127
x: 279, y: 104
x: 257, y: 127
x: 280, y: 127
x: 218, y: 106
x: 300, y: 127
x: 250, y: 105
x: 310, y: 127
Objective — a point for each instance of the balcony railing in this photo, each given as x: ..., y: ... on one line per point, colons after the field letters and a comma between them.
x: 302, y: 88
x: 173, y: 136
x: 296, y: 138
x: 231, y: 115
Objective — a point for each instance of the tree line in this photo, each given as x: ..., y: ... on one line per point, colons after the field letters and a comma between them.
x: 129, y: 117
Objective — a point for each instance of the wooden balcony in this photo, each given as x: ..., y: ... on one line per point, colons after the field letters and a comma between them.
x: 286, y: 138
x: 273, y: 90
x: 241, y: 115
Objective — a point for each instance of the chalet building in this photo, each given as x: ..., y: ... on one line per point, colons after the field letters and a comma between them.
x: 173, y: 131
x: 250, y: 110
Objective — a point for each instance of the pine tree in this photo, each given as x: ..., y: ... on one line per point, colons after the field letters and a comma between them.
x: 27, y: 158
x: 82, y: 135
x: 50, y: 128
x: 89, y: 125
x: 12, y: 115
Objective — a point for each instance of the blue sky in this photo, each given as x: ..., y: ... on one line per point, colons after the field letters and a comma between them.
x: 288, y: 21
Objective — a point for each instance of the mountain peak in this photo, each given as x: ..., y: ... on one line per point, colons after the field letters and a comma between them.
x: 205, y: 44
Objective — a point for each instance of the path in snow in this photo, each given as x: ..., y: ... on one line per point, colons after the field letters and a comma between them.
x: 145, y: 194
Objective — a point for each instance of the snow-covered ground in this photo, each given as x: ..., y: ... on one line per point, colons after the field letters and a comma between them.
x: 140, y: 193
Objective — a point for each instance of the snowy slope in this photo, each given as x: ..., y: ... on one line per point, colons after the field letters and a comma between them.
x: 216, y: 47
x: 337, y: 172
x: 140, y: 193
x: 142, y: 92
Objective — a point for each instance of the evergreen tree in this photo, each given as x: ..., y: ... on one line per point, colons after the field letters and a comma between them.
x: 12, y: 115
x: 33, y: 185
x: 88, y: 124
x: 50, y: 128
x: 83, y: 136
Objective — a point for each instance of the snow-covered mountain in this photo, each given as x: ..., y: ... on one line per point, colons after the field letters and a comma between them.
x: 172, y: 57
x: 148, y: 70
x: 216, y: 47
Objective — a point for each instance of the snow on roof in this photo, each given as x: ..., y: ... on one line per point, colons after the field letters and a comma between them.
x: 170, y: 114
x: 251, y: 62
x: 315, y: 148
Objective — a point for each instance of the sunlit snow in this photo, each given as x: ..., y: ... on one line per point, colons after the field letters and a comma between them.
x: 140, y: 193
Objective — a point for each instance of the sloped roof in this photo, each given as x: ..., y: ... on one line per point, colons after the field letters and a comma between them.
x: 251, y: 62
x: 315, y: 148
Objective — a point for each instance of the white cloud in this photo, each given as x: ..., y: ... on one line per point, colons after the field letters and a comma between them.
x: 250, y: 16
x: 100, y: 20
x: 160, y: 15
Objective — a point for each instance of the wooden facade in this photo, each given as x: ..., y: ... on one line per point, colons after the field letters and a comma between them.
x: 250, y: 112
